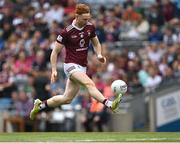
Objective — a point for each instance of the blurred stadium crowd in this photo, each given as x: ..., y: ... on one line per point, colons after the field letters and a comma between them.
x: 28, y: 30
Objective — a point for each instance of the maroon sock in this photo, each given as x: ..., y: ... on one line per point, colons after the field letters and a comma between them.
x: 46, y: 105
x: 104, y: 101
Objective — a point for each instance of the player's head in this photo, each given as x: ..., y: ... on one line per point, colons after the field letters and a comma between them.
x: 82, y: 13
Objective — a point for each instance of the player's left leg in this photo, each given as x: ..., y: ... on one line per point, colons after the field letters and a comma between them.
x: 83, y: 79
x: 70, y: 92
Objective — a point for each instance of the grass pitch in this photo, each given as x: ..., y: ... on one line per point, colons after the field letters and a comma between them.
x: 96, y: 137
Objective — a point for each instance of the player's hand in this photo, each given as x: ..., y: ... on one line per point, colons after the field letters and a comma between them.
x: 102, y: 59
x: 53, y: 76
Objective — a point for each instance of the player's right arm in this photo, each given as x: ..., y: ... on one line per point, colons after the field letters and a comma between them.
x: 56, y: 50
x: 59, y: 44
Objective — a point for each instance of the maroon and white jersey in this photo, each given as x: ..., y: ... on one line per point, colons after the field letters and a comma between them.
x: 76, y: 41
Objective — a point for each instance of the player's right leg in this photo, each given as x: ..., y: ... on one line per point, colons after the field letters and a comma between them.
x: 70, y: 92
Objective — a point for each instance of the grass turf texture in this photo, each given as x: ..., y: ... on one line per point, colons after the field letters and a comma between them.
x: 105, y: 137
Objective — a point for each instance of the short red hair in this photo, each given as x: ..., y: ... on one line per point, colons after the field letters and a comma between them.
x: 82, y: 9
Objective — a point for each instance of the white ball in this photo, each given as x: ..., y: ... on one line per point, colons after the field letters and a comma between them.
x: 119, y: 86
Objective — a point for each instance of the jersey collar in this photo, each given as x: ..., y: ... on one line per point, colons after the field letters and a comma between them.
x: 73, y: 24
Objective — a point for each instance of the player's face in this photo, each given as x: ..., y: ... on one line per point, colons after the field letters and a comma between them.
x: 83, y: 18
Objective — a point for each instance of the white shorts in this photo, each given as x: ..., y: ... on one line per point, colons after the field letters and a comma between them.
x: 69, y: 68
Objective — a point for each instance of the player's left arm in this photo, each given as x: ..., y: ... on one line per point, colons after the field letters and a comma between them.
x: 97, y: 47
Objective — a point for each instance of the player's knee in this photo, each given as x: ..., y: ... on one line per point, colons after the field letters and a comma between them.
x: 67, y: 100
x: 55, y: 99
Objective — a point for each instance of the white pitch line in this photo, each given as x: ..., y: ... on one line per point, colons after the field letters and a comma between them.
x: 153, y: 139
x: 140, y: 140
x: 90, y: 141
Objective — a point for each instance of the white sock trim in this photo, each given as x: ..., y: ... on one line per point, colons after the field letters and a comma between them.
x: 108, y: 103
x: 42, y: 106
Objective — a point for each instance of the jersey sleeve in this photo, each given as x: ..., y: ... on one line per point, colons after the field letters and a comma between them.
x: 93, y: 32
x: 61, y: 38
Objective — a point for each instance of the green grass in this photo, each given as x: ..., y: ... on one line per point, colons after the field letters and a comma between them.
x: 82, y: 137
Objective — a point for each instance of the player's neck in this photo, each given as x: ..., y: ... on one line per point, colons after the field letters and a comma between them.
x: 79, y: 25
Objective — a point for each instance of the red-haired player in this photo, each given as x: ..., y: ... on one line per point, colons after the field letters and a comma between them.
x: 75, y: 38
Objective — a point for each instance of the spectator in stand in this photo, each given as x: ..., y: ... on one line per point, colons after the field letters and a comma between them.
x: 143, y: 74
x: 155, y: 17
x: 40, y: 25
x: 173, y: 52
x: 12, y: 46
x: 19, y: 24
x: 7, y: 30
x: 35, y: 40
x: 168, y: 76
x: 6, y: 81
x: 6, y: 21
x: 23, y: 105
x: 22, y: 67
x: 142, y: 27
x: 96, y: 117
x: 2, y: 60
x: 41, y: 75
x: 169, y: 37
x: 138, y: 7
x: 107, y: 92
x: 100, y: 31
x: 18, y: 115
x: 69, y: 9
x: 139, y: 30
x: 153, y: 80
x: 54, y: 13
x: 176, y: 66
x: 130, y: 15
x: 155, y: 53
x: 26, y: 44
x: 98, y: 82
x: 163, y: 65
x: 155, y: 35
x: 134, y: 84
x: 131, y: 71
x: 55, y: 28
x: 111, y: 26
x: 168, y: 10
x: 127, y: 3
x: 29, y: 87
x: 118, y: 11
